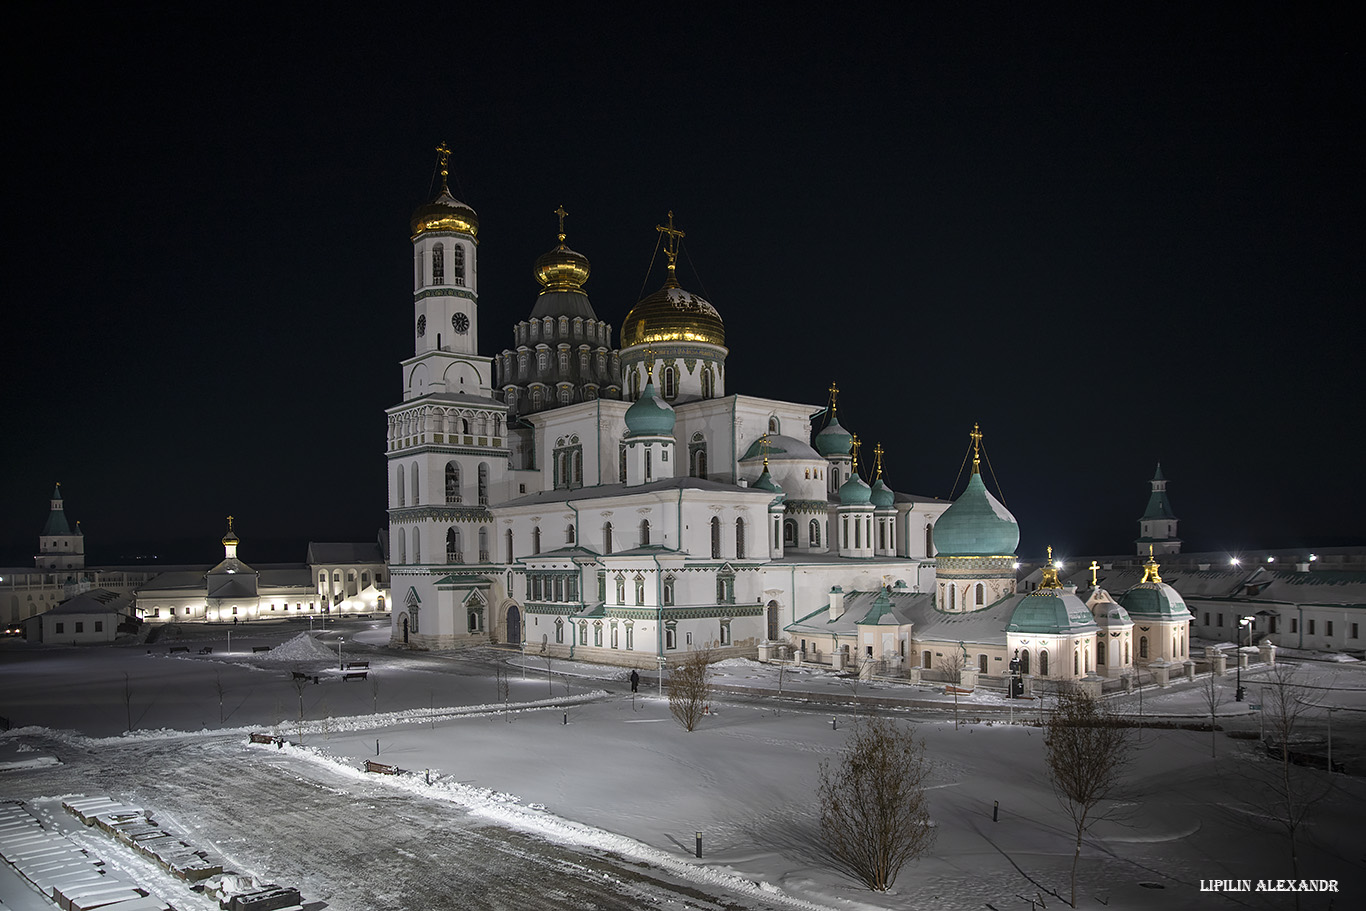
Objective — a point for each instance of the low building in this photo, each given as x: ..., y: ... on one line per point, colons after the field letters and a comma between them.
x: 90, y: 617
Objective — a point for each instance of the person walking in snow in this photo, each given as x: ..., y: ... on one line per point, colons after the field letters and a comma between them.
x: 635, y: 681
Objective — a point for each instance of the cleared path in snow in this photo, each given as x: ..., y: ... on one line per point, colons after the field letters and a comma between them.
x: 354, y: 846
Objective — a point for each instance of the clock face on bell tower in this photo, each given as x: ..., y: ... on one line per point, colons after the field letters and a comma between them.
x: 460, y: 323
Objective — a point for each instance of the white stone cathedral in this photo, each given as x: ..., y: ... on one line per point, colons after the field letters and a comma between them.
x: 615, y: 504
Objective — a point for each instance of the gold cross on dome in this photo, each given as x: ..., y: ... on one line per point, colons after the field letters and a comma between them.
x: 443, y: 152
x: 877, y: 451
x: 562, y: 213
x: 229, y: 523
x: 834, y: 395
x: 976, y: 440
x: 674, y: 236
x: 1095, y: 568
x: 763, y: 445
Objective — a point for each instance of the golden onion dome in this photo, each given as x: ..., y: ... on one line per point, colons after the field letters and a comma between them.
x: 672, y: 314
x: 561, y: 269
x: 230, y: 539
x: 445, y: 213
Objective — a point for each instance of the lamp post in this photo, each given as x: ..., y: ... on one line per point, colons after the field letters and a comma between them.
x: 1242, y: 622
x: 340, y: 640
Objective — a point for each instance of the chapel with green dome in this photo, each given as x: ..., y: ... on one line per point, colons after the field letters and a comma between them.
x: 975, y: 541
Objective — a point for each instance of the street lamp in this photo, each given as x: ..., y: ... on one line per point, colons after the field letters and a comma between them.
x: 340, y: 640
x: 1242, y: 622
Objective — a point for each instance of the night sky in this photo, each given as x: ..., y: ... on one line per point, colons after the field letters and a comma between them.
x: 1112, y: 234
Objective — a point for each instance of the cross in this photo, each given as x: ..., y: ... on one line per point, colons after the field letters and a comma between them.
x: 444, y: 153
x: 674, y: 235
x: 1094, y: 567
x: 229, y: 524
x: 763, y: 443
x: 856, y: 444
x: 562, y: 213
x: 877, y: 451
x: 834, y: 394
x: 976, y: 440
x: 1050, y: 555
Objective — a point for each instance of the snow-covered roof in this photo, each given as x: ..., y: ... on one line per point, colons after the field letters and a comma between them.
x: 95, y: 601
x: 329, y: 552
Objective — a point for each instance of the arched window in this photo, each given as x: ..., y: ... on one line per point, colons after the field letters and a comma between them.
x: 929, y: 540
x: 576, y: 467
x: 640, y: 589
x: 400, y: 541
x: 715, y: 538
x: 813, y: 533
x: 417, y: 546
x: 483, y: 545
x: 569, y: 534
x: 953, y: 596
x: 739, y: 539
x: 1043, y: 662
x: 483, y: 483
x: 583, y: 633
x: 644, y: 532
x: 649, y: 463
x: 981, y: 594
x: 1142, y: 647
x: 635, y: 384
x: 981, y: 664
x: 1100, y: 651
x: 322, y: 582
x: 458, y: 272
x: 536, y: 540
x: 417, y: 498
x: 454, y: 551
x: 706, y: 381
x: 607, y: 537
x: 669, y: 380
x: 1126, y: 651
x: 621, y: 464
x: 438, y: 265
x: 559, y: 629
x: 668, y: 592
x: 402, y: 500
x: 773, y: 424
x: 1024, y: 661
x: 1076, y: 663
x: 789, y: 533
x: 597, y: 633
x: 508, y: 538
x: 452, y: 482
x: 614, y: 635
x: 621, y: 589
x: 926, y: 659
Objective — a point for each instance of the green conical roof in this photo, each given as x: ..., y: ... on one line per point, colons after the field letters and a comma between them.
x: 56, y: 523
x: 650, y: 415
x: 976, y: 525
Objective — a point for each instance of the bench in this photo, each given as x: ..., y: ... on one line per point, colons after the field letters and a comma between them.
x: 178, y: 648
x: 257, y: 649
x: 300, y: 675
x: 263, y: 738
x: 381, y: 768
x: 206, y: 650
x: 355, y: 664
x: 350, y: 675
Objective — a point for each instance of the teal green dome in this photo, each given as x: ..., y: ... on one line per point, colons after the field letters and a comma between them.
x: 834, y: 439
x: 650, y: 416
x: 1050, y: 611
x: 766, y: 482
x: 882, y: 494
x: 854, y: 492
x: 976, y: 525
x: 1154, y: 601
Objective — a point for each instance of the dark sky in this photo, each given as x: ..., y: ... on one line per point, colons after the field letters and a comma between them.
x: 1112, y: 234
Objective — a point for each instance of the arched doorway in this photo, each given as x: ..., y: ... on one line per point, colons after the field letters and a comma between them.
x: 514, y: 625
x: 405, y: 630
x: 773, y: 621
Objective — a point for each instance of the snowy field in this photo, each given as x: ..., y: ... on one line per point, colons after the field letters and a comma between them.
x: 577, y: 794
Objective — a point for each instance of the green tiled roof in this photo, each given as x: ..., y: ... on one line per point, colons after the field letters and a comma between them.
x: 976, y: 525
x: 1050, y: 611
x: 1154, y: 600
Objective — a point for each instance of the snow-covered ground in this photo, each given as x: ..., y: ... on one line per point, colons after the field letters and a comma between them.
x: 579, y: 765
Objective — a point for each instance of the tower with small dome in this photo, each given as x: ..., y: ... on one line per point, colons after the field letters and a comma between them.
x: 1161, y: 619
x: 1157, y: 527
x: 59, y: 546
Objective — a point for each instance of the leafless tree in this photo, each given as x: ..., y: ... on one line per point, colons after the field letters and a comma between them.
x: 874, y: 814
x: 1291, y: 791
x: 952, y: 664
x: 299, y: 681
x: 504, y: 685
x: 1213, y: 697
x: 128, y: 699
x: 374, y: 693
x: 1086, y: 751
x: 221, y: 690
x: 690, y: 689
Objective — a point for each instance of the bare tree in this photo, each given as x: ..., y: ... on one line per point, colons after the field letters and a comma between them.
x: 690, y: 689
x: 874, y: 814
x: 1291, y: 791
x: 221, y: 691
x: 298, y: 680
x: 952, y: 664
x: 1086, y: 751
x: 1213, y: 697
x: 128, y: 700
x: 374, y: 693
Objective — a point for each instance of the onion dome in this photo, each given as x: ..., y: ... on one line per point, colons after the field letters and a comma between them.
x: 834, y: 439
x: 445, y: 213
x: 672, y: 314
x: 561, y: 269
x: 766, y: 482
x: 1153, y: 599
x: 650, y: 416
x: 882, y: 495
x: 855, y: 492
x: 230, y: 539
x: 1050, y: 611
x: 976, y: 525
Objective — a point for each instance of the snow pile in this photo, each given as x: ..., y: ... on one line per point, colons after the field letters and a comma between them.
x: 302, y: 647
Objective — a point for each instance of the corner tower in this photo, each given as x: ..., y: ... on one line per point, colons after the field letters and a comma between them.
x: 58, y: 546
x: 1157, y: 528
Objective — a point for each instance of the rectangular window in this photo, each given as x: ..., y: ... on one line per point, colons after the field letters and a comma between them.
x: 80, y: 626
x: 1329, y: 628
x: 1354, y: 630
x: 61, y: 628
x: 156, y: 611
x: 1206, y: 618
x: 1221, y: 620
x: 99, y: 626
x: 1311, y: 626
x: 1294, y: 625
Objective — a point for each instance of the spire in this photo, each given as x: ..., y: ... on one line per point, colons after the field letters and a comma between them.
x: 672, y: 236
x: 976, y: 449
x: 443, y: 152
x: 1050, y: 573
x: 1150, y: 568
